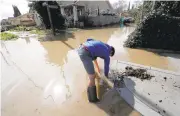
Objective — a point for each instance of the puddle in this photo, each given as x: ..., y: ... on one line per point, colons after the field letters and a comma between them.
x: 50, y: 78
x: 57, y: 50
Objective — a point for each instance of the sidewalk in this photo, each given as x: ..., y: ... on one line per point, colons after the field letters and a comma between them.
x: 158, y: 96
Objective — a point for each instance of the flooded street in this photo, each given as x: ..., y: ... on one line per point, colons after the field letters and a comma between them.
x: 114, y: 37
x: 47, y: 78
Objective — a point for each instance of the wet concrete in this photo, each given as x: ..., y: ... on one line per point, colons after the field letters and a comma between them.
x: 47, y: 78
x: 154, y: 97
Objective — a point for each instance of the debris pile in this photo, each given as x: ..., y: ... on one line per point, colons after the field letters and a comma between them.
x: 165, y: 78
x: 160, y: 101
x: 138, y: 73
x: 117, y: 77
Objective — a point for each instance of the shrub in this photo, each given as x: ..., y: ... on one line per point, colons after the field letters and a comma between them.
x: 8, y: 36
x: 160, y: 30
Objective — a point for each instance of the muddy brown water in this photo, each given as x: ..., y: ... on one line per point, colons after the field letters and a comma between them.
x: 47, y: 78
x: 57, y: 50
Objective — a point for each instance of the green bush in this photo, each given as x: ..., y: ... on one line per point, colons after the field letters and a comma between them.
x: 8, y: 36
x: 144, y: 8
x: 136, y: 14
x: 160, y: 30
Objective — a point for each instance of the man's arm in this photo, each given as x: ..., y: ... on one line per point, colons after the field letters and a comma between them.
x: 106, y: 66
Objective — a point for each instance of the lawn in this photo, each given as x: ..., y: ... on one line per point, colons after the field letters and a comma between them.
x: 8, y: 36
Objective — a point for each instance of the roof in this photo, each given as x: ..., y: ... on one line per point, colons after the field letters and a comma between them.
x: 91, y: 4
x: 65, y: 3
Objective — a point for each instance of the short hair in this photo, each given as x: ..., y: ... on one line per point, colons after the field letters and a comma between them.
x: 112, y: 51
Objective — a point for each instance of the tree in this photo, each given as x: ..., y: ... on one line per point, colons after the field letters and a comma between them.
x: 160, y: 29
x: 168, y: 7
x: 16, y: 11
x: 120, y: 6
x: 140, y: 10
x: 129, y: 6
x: 57, y: 19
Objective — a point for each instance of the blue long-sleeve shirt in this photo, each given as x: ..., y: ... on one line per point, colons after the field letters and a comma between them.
x: 99, y: 49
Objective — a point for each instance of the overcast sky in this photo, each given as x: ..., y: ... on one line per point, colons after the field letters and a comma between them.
x: 6, y: 9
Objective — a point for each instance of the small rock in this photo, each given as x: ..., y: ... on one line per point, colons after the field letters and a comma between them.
x: 174, y: 103
x: 164, y: 111
x: 159, y: 112
x: 160, y: 101
x: 175, y: 85
x: 165, y: 91
x: 165, y: 78
x: 156, y: 104
x: 148, y: 93
x: 126, y: 68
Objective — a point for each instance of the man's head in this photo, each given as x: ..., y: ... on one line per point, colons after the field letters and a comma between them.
x: 112, y: 51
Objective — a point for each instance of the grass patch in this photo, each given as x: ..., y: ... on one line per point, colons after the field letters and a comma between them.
x: 8, y: 36
x: 32, y: 30
x: 22, y: 28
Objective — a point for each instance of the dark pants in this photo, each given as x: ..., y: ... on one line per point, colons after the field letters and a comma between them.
x: 87, y: 60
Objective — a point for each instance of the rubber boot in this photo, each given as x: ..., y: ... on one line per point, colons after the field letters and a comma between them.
x: 92, y: 95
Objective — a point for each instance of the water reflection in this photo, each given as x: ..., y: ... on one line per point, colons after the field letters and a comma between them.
x: 61, y: 44
x: 27, y: 40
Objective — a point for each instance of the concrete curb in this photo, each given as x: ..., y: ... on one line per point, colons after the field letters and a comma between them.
x: 150, y: 68
x: 142, y: 105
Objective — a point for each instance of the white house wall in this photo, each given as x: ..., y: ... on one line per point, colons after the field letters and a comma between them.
x: 103, y: 20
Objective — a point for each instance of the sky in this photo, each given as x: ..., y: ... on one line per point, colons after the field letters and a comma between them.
x: 6, y: 9
x: 113, y: 1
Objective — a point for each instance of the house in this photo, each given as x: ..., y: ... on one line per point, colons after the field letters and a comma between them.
x: 36, y: 17
x: 22, y: 20
x: 73, y: 11
x: 83, y: 13
x: 86, y: 6
x: 27, y: 19
x: 5, y: 25
x: 14, y: 21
